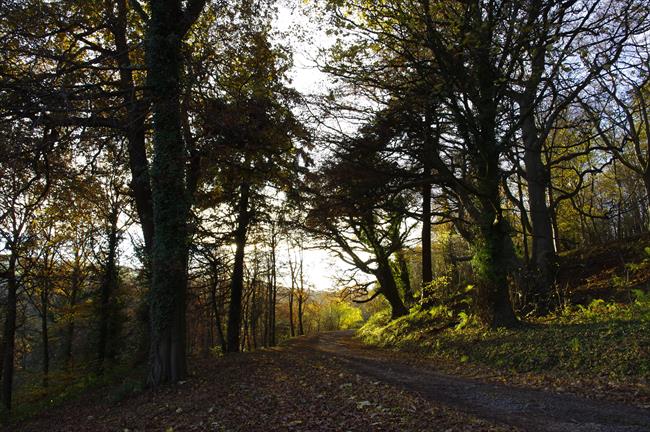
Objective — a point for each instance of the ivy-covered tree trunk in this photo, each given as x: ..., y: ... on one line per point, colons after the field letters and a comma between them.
x: 491, y: 266
x: 405, y: 280
x: 492, y: 257
x: 237, y: 284
x: 170, y: 201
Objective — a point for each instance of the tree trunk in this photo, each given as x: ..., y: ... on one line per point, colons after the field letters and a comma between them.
x: 45, y: 338
x: 136, y: 113
x: 492, y: 256
x: 543, y: 249
x: 427, y: 149
x: 253, y: 318
x: 237, y: 284
x: 274, y: 290
x: 217, y: 317
x: 389, y: 288
x: 75, y: 282
x: 266, y: 317
x: 108, y: 287
x: 301, y: 298
x: 523, y: 216
x: 301, y: 303
x: 646, y: 182
x: 292, y: 327
x: 246, y: 340
x: 9, y: 333
x: 293, y: 274
x: 170, y: 200
x: 427, y: 270
x: 404, y: 278
x: 491, y: 266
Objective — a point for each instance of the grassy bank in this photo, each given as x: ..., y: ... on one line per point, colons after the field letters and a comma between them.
x: 602, y: 339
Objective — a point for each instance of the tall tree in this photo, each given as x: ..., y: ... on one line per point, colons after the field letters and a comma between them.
x: 555, y: 36
x: 251, y: 137
x: 24, y: 187
x: 169, y: 22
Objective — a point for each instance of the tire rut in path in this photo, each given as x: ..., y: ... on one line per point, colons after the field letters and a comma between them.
x: 531, y: 410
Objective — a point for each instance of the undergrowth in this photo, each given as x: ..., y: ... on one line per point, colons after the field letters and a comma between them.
x: 115, y: 384
x: 603, y: 339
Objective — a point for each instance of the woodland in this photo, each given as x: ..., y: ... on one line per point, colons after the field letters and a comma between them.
x: 480, y: 170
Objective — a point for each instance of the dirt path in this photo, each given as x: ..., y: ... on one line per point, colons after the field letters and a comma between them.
x: 331, y: 382
x: 531, y: 410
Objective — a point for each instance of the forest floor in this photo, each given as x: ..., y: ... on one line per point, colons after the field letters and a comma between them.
x: 332, y: 382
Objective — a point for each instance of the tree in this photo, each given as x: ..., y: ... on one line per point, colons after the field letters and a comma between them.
x: 168, y: 24
x: 251, y: 136
x: 107, y: 341
x: 478, y: 71
x: 455, y: 48
x: 618, y: 110
x: 354, y: 209
x: 545, y: 84
x: 25, y: 185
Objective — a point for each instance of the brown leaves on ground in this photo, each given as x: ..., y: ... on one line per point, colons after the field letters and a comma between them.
x: 285, y: 389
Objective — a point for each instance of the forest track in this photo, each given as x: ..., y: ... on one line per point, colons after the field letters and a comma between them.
x: 527, y: 409
x: 331, y: 382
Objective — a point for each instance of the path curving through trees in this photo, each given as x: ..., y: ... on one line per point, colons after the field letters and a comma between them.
x: 332, y: 382
x: 530, y: 410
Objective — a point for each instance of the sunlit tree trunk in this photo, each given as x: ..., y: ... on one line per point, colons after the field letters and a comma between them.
x: 405, y: 278
x: 386, y: 280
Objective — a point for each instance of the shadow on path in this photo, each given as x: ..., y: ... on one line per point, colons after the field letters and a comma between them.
x: 531, y: 410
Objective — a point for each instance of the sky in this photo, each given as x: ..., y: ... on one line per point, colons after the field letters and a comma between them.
x: 321, y: 267
x: 305, y: 77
